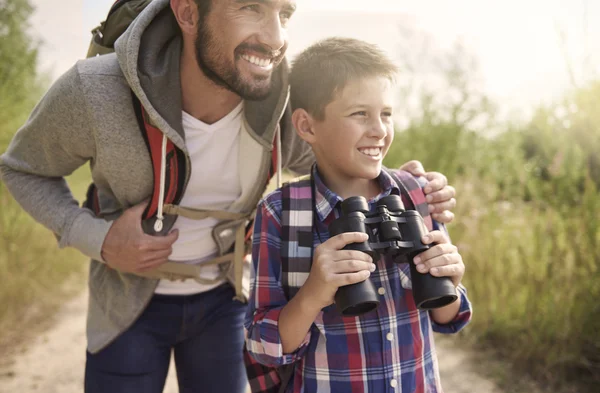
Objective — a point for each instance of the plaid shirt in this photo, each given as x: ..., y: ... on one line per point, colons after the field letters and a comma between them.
x: 390, y: 349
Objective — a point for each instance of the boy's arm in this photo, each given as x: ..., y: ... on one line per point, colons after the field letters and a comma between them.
x: 55, y: 140
x: 454, y: 317
x: 267, y: 298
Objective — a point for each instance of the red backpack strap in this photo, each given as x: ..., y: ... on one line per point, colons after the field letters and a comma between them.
x: 412, y: 188
x: 175, y: 165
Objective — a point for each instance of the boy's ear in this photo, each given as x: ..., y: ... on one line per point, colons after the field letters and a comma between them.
x: 303, y: 123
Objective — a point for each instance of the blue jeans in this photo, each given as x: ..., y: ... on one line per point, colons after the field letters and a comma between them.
x: 205, y: 332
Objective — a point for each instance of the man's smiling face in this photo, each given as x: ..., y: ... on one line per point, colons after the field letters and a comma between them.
x: 240, y: 42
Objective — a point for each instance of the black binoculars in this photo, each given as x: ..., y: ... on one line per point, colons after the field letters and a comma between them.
x: 392, y: 231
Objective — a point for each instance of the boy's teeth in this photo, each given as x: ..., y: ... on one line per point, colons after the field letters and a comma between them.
x: 371, y: 152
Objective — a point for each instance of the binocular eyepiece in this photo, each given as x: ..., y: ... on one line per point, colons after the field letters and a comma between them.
x: 392, y: 231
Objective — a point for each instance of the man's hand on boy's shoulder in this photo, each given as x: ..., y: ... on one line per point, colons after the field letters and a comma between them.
x: 440, y: 195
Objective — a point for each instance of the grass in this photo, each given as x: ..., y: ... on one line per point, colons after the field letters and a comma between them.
x: 37, y: 277
x: 534, y: 279
x: 530, y: 240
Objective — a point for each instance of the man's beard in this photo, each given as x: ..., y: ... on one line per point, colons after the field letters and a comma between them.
x: 216, y: 68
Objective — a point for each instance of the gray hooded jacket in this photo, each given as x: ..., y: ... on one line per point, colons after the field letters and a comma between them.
x: 87, y: 115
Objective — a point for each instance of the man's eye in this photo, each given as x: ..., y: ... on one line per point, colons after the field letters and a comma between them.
x: 251, y: 7
x: 285, y: 16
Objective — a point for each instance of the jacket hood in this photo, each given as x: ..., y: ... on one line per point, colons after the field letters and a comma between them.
x: 149, y: 54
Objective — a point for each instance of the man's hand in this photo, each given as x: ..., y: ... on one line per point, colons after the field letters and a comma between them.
x: 128, y: 249
x: 333, y: 268
x: 441, y: 260
x: 440, y: 195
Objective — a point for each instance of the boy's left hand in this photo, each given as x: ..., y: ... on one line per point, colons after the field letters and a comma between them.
x: 441, y: 260
x: 440, y: 195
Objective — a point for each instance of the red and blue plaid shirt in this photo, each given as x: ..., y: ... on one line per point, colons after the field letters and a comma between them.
x: 390, y: 349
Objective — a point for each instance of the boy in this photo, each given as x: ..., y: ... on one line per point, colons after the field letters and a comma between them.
x: 342, y: 97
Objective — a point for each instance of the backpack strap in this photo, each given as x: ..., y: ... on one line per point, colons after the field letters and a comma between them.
x: 411, y: 188
x: 296, y: 259
x: 175, y: 168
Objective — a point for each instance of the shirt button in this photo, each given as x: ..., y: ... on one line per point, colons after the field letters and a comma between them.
x: 390, y: 337
x: 393, y: 383
x: 381, y: 291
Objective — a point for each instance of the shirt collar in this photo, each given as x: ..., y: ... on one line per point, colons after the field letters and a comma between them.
x: 326, y: 200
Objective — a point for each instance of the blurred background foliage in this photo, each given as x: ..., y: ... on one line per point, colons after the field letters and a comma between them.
x: 527, y: 221
x: 35, y: 275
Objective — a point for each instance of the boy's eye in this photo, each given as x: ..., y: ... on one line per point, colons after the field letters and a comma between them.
x: 360, y: 113
x: 386, y: 114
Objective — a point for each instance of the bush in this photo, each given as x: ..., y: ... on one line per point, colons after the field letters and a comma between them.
x: 527, y: 227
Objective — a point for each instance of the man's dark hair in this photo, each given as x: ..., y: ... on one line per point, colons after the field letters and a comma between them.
x: 324, y: 69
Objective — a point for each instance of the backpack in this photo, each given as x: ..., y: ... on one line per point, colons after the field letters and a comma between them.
x: 297, y: 235
x: 120, y: 16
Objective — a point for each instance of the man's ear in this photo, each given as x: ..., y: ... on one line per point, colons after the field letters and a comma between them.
x: 186, y: 13
x: 303, y: 123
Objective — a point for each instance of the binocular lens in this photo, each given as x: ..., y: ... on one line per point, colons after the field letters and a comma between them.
x: 392, y: 202
x: 355, y: 204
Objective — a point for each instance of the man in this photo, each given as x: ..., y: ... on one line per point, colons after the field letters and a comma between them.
x: 212, y: 79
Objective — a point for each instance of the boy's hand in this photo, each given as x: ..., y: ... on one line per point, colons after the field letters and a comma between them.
x: 440, y: 195
x: 441, y: 260
x: 333, y: 267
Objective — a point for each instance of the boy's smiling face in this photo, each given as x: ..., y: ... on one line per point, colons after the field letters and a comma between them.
x: 356, y: 132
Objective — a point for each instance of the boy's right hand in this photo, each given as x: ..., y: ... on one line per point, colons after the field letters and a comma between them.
x: 333, y: 267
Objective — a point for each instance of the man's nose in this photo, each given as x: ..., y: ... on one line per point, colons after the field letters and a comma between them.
x: 273, y: 33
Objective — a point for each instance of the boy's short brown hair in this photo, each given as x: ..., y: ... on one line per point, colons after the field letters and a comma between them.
x: 325, y: 68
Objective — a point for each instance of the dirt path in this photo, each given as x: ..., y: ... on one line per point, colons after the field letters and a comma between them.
x: 54, y: 361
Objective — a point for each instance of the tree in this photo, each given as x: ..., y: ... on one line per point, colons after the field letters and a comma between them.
x: 20, y: 85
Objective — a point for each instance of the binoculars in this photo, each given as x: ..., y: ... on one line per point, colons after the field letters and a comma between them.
x: 392, y: 231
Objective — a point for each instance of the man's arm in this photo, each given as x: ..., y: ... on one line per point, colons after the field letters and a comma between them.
x: 55, y: 140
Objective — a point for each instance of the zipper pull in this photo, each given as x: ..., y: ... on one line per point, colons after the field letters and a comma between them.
x: 158, y: 225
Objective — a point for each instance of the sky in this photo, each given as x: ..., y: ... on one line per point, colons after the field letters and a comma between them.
x: 522, y: 46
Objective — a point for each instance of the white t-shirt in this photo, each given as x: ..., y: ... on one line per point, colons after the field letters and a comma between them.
x: 214, y: 184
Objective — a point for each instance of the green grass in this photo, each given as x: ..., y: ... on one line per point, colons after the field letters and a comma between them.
x: 37, y: 277
x: 533, y: 277
x: 530, y: 239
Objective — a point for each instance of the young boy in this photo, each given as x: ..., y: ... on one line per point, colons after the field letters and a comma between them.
x: 342, y: 97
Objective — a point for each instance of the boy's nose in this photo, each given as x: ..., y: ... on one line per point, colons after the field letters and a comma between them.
x: 379, y: 129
